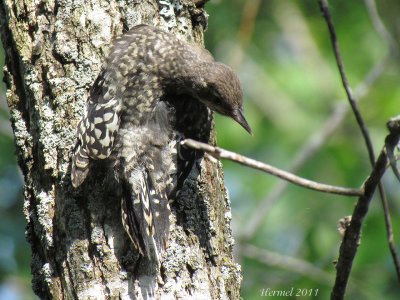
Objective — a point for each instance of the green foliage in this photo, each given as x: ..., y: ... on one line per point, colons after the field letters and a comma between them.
x: 291, y: 87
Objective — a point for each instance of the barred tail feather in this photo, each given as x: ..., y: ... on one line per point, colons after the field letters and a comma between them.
x: 145, y: 215
x: 129, y: 220
x: 80, y: 167
x: 161, y: 211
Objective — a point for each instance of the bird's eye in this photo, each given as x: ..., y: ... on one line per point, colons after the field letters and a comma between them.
x: 217, y: 97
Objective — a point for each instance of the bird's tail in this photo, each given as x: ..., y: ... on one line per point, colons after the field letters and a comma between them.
x: 145, y: 214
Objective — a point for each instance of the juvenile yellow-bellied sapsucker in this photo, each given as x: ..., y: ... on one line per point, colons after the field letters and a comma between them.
x: 136, y: 115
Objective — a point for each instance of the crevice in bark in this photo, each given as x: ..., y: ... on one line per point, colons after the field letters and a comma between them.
x: 71, y: 278
x: 13, y: 78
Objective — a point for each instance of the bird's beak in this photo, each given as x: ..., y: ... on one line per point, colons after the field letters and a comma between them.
x: 239, y: 117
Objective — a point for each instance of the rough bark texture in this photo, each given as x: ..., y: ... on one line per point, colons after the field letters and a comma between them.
x: 54, y: 50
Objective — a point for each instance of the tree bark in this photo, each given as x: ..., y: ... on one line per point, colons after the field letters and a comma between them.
x: 54, y: 50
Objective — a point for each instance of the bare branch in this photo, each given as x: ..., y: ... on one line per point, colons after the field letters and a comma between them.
x: 351, y: 239
x: 335, y: 45
x: 390, y: 143
x: 222, y: 153
x: 312, y: 145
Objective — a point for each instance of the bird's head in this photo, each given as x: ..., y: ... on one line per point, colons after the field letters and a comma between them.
x: 222, y: 93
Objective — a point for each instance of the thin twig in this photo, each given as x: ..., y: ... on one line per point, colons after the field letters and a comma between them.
x: 389, y: 231
x: 340, y: 284
x: 351, y: 239
x: 390, y: 143
x: 313, y: 144
x: 384, y: 33
x: 380, y: 26
x: 222, y: 153
x: 390, y: 148
x: 335, y: 45
x: 293, y: 264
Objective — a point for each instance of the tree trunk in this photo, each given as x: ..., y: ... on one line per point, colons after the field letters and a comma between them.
x: 54, y: 51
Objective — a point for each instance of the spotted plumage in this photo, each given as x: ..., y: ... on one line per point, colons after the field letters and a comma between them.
x: 153, y: 91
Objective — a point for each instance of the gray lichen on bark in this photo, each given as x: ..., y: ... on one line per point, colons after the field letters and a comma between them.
x: 54, y: 51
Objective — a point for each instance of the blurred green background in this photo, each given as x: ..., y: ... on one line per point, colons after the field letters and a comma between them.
x: 286, y: 236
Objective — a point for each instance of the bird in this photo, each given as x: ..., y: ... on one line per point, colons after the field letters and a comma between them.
x: 153, y: 90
